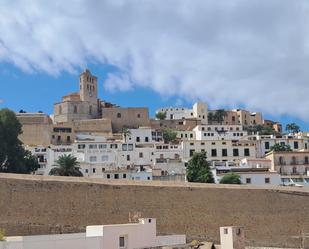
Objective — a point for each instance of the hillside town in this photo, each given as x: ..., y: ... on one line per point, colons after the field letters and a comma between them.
x: 113, y: 142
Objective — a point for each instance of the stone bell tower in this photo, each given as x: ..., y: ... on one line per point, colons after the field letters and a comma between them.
x: 88, y: 91
x: 88, y: 87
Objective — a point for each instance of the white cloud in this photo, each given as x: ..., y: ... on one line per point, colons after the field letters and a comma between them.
x: 233, y: 52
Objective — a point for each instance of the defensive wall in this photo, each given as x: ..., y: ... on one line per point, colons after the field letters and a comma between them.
x: 42, y: 205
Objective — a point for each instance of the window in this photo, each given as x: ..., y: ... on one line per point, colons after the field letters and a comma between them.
x: 124, y: 176
x: 86, y: 170
x: 124, y: 147
x: 93, y: 170
x: 104, y: 158
x: 121, y: 242
x: 247, y: 152
x: 128, y: 157
x: 90, y: 110
x: 238, y: 231
x: 191, y: 135
x: 294, y: 171
x: 146, y: 139
x: 224, y: 152
x: 68, y: 139
x: 116, y: 176
x: 225, y: 231
x: 267, y: 180
x: 102, y: 146
x: 103, y: 169
x: 267, y: 146
x: 92, y: 146
x: 108, y: 176
x: 192, y: 152
x: 294, y: 160
x: 138, y: 115
x: 118, y: 115
x: 59, y: 138
x: 75, y: 109
x: 81, y: 146
x: 282, y: 143
x: 141, y: 155
x: 235, y: 152
x: 137, y: 139
x: 281, y: 160
x: 130, y: 147
x: 306, y: 160
x: 92, y: 158
x: 296, y: 145
x: 248, y: 180
x: 213, y: 152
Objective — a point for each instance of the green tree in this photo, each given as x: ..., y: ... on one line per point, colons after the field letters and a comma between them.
x: 230, y: 178
x: 125, y: 133
x: 13, y: 157
x: 280, y: 147
x: 161, y: 115
x: 219, y: 116
x: 169, y: 135
x: 292, y: 128
x: 260, y: 129
x: 66, y: 165
x: 198, y: 169
x: 210, y: 117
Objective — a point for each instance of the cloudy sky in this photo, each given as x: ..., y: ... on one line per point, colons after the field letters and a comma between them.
x: 231, y: 53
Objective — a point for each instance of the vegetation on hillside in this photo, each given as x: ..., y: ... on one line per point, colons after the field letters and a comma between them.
x: 280, y: 147
x: 13, y: 157
x: 230, y: 178
x: 292, y: 128
x: 198, y: 169
x: 260, y: 129
x: 169, y: 135
x: 217, y: 116
x: 161, y: 115
x: 66, y: 165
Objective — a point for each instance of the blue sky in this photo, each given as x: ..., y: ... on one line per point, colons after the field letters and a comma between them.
x: 229, y: 53
x: 34, y: 92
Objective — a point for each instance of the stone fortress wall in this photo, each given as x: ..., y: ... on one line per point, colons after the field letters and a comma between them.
x: 43, y: 205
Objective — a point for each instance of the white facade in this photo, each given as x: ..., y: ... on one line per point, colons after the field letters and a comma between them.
x: 124, y: 236
x: 219, y: 132
x: 232, y: 237
x: 249, y: 176
x: 220, y: 150
x: 265, y: 142
x: 198, y: 111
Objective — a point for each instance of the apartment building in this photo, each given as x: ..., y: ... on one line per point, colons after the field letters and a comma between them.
x: 265, y: 142
x: 292, y: 166
x: 220, y: 150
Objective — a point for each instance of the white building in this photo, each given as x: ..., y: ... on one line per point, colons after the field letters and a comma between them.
x: 198, y: 111
x: 252, y: 176
x: 232, y: 237
x: 140, y: 235
x: 220, y: 150
x: 265, y: 142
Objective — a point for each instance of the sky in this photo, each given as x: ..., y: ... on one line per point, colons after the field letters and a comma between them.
x: 250, y: 54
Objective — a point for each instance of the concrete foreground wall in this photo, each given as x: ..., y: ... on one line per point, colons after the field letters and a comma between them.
x: 42, y: 205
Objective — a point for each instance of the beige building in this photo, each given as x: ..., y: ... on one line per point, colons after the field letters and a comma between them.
x: 126, y: 117
x: 81, y: 105
x: 36, y: 128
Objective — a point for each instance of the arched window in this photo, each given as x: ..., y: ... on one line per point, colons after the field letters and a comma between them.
x: 281, y: 161
x: 75, y: 109
x: 118, y: 115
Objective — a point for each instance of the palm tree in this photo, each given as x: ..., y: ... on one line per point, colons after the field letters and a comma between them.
x: 126, y: 133
x: 66, y: 165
